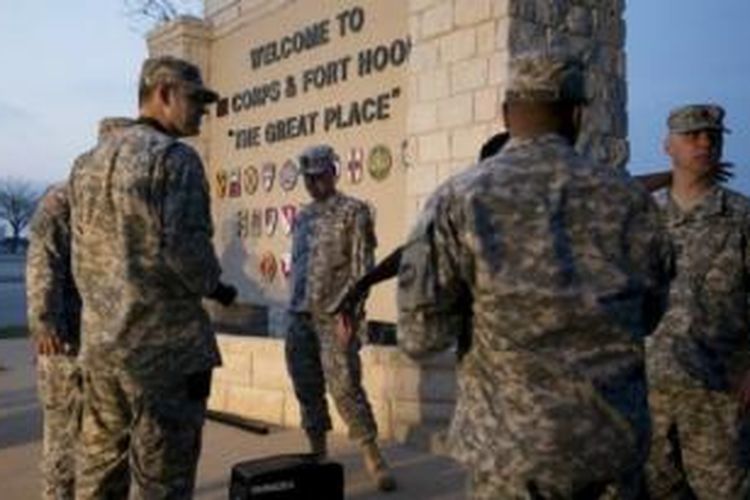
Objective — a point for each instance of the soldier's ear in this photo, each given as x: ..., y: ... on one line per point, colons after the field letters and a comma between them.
x: 164, y: 92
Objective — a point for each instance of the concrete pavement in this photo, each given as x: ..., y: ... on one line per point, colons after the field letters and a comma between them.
x: 12, y: 304
x: 420, y: 475
x: 12, y: 291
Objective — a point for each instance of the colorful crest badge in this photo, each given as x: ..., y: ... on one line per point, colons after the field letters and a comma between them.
x: 268, y: 175
x: 256, y: 223
x: 288, y: 214
x: 271, y: 220
x: 235, y: 183
x: 285, y: 262
x: 288, y: 175
x: 221, y: 183
x: 380, y: 162
x: 268, y: 267
x: 250, y: 180
x: 356, y: 165
x: 243, y: 223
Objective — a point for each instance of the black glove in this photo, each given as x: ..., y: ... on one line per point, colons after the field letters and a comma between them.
x: 224, y: 294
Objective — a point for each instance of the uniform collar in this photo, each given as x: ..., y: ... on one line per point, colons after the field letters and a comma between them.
x: 328, y: 202
x: 713, y: 204
x: 144, y: 120
x: 549, y: 138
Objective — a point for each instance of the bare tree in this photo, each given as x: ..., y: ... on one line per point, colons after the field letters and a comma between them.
x: 155, y: 12
x: 18, y: 200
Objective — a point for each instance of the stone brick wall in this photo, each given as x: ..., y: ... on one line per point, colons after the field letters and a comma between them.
x: 455, y: 83
x: 407, y: 398
x: 459, y: 68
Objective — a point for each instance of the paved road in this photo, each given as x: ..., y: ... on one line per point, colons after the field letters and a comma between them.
x: 12, y: 293
x: 12, y: 304
x: 12, y: 266
x: 420, y: 475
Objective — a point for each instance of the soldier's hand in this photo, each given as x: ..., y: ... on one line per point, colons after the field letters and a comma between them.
x: 48, y: 344
x: 224, y: 294
x: 743, y: 394
x: 344, y: 330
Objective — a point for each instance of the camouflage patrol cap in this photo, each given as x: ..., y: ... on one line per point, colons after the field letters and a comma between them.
x: 696, y: 117
x: 317, y: 159
x: 169, y: 69
x: 546, y: 77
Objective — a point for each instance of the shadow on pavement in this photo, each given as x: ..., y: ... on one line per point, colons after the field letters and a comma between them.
x: 418, y: 475
x: 212, y: 488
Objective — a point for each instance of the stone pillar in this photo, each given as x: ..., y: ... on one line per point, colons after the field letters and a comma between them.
x: 186, y: 37
x: 594, y: 30
x: 459, y: 68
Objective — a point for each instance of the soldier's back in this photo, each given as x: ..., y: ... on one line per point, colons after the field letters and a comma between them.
x: 561, y: 254
x: 136, y: 306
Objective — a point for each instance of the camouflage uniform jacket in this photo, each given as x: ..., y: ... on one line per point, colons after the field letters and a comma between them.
x: 558, y: 268
x: 703, y: 340
x: 142, y: 254
x: 54, y: 306
x: 334, y: 244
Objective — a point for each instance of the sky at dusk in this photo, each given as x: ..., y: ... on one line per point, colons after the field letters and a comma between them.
x: 66, y: 64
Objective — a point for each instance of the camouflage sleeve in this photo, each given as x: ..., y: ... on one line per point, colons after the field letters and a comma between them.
x: 363, y: 243
x: 361, y: 260
x: 44, y: 274
x: 432, y: 286
x: 186, y: 219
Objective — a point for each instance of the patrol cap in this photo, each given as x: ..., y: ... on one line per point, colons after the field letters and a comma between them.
x: 696, y: 117
x: 169, y: 69
x: 546, y: 77
x: 317, y: 159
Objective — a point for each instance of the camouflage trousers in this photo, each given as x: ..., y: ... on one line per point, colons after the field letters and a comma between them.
x: 700, y: 447
x: 315, y: 360
x: 149, y: 435
x: 59, y: 392
x: 494, y: 484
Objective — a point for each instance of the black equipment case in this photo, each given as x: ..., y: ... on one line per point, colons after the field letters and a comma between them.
x: 287, y: 477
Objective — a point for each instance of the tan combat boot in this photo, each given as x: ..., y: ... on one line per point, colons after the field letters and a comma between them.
x: 377, y: 467
x: 318, y: 444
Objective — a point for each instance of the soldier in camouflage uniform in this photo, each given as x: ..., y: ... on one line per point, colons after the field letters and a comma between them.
x: 557, y: 267
x: 142, y: 260
x: 698, y: 358
x: 54, y: 321
x: 54, y: 313
x: 334, y: 244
